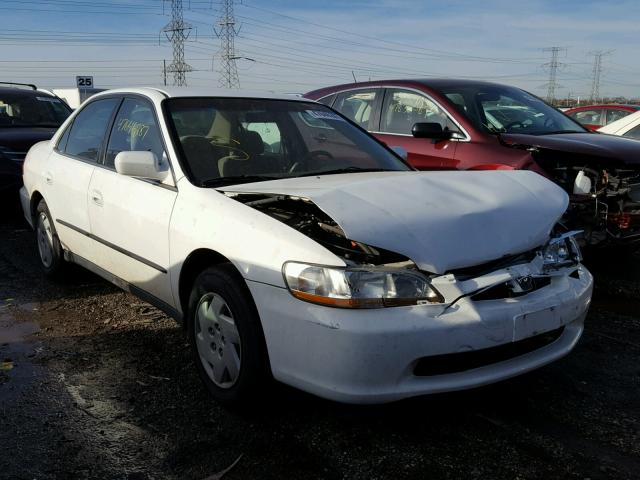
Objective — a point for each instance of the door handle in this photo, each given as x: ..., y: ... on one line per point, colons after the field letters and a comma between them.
x: 48, y: 178
x: 96, y: 197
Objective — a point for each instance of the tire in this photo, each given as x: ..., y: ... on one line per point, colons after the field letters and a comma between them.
x: 226, y: 337
x: 49, y: 249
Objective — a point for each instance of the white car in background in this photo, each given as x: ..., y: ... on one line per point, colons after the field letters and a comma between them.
x: 628, y: 126
x: 290, y: 243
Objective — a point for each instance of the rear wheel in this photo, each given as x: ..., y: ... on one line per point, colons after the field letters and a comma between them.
x: 226, y: 336
x: 49, y: 248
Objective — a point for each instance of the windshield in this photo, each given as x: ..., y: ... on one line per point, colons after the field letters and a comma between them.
x: 31, y: 110
x: 497, y: 109
x: 232, y: 140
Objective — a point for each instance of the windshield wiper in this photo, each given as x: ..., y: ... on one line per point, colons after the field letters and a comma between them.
x: 347, y: 170
x: 235, y: 179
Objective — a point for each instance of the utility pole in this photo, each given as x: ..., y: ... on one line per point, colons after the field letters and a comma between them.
x: 597, y: 71
x: 553, y: 67
x: 226, y: 32
x: 164, y: 71
x: 177, y: 31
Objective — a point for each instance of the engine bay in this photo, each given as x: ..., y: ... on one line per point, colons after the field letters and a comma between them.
x: 304, y: 216
x: 604, y: 195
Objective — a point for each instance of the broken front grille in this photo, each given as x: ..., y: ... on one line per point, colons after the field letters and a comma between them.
x: 493, y: 265
x: 505, y: 290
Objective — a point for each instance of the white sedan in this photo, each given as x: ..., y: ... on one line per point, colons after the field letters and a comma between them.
x: 628, y: 126
x: 292, y: 245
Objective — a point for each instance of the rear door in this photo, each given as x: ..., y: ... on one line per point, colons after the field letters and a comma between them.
x: 68, y: 173
x: 360, y: 105
x: 401, y: 109
x: 130, y: 216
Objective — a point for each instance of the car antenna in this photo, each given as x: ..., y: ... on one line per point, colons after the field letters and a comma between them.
x: 354, y: 77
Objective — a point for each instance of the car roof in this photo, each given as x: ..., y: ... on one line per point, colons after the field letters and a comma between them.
x: 24, y: 91
x: 621, y: 106
x: 185, y: 92
x: 433, y: 83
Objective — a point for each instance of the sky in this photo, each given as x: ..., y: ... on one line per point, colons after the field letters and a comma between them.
x: 297, y: 46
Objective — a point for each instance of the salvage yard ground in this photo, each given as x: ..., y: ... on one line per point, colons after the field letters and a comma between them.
x: 96, y: 384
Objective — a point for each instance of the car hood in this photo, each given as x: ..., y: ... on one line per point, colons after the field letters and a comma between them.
x: 16, y: 141
x: 440, y: 220
x: 618, y: 150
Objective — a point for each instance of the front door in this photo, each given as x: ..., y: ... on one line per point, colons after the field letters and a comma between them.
x: 402, y: 109
x: 130, y: 216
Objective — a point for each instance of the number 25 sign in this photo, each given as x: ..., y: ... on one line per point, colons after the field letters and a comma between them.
x: 84, y: 82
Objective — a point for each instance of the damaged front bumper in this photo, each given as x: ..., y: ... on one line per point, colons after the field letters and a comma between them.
x: 387, y: 354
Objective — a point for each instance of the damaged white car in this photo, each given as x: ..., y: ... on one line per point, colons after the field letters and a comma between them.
x: 293, y: 245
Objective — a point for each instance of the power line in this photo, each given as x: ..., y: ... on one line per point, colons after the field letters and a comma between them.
x: 387, y: 41
x: 177, y: 31
x: 553, y: 67
x: 597, y: 71
x: 227, y: 32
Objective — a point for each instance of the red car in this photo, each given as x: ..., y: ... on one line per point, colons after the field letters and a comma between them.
x: 595, y: 116
x: 464, y: 124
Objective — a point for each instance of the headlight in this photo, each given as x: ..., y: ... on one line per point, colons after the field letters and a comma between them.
x: 358, y: 287
x: 562, y: 251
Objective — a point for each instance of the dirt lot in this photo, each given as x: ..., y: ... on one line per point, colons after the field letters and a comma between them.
x: 96, y: 384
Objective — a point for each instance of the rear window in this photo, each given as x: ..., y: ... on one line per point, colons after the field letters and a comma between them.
x: 33, y: 109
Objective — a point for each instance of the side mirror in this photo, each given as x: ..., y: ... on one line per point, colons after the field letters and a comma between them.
x: 430, y: 130
x: 401, y: 152
x: 140, y: 164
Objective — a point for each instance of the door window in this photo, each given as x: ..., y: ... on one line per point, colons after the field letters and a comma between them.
x: 357, y: 106
x: 403, y: 109
x: 328, y: 100
x: 589, y: 117
x: 89, y: 127
x: 633, y: 133
x: 134, y: 129
x: 614, y: 114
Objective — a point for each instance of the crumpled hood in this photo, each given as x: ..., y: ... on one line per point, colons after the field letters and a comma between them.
x: 440, y: 220
x: 618, y: 150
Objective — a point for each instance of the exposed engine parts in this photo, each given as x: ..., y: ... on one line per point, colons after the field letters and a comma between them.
x: 605, y: 198
x: 304, y: 216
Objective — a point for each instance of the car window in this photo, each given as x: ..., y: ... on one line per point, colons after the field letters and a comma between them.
x: 134, y: 129
x: 614, y: 114
x: 403, y: 109
x: 328, y: 100
x: 89, y: 128
x: 589, y: 117
x: 62, y: 143
x: 357, y: 106
x: 246, y: 138
x: 269, y: 134
x: 498, y: 109
x: 31, y: 110
x: 633, y: 133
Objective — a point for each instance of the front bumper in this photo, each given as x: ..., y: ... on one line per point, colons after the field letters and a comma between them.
x: 370, y: 356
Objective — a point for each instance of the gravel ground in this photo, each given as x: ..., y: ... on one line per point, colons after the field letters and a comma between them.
x: 96, y: 384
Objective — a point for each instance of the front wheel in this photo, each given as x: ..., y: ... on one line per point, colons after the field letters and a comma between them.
x: 49, y: 248
x: 226, y: 336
